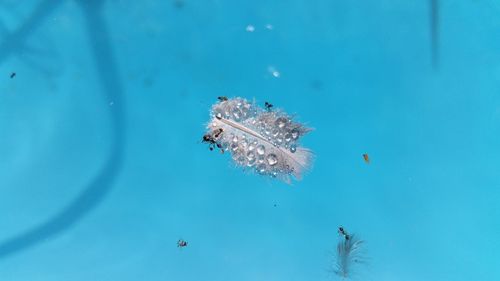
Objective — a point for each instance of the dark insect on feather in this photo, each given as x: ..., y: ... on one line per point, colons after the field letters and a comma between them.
x: 268, y: 106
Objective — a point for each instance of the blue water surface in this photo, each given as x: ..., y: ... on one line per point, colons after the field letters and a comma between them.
x: 102, y: 170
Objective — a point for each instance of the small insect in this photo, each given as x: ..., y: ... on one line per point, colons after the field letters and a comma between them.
x: 222, y: 98
x: 343, y: 232
x: 268, y: 106
x: 12, y: 75
x: 208, y: 138
x: 181, y: 243
x: 218, y: 132
x: 367, y: 158
x: 211, y: 139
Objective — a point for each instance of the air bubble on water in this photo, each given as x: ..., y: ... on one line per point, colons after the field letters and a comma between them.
x: 251, y: 147
x: 261, y: 150
x: 250, y: 28
x: 244, y: 112
x: 251, y: 155
x: 241, y: 160
x: 243, y: 143
x: 235, y: 139
x: 235, y: 156
x: 260, y: 158
x: 234, y: 147
x: 281, y: 122
x: 275, y: 73
x: 272, y: 159
x: 295, y: 134
x: 276, y: 132
x: 251, y: 162
x: 236, y: 114
x: 223, y: 146
x: 293, y: 148
x: 261, y: 168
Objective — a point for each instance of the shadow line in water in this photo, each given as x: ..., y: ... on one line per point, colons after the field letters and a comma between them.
x: 15, y: 41
x: 94, y: 192
x: 434, y: 15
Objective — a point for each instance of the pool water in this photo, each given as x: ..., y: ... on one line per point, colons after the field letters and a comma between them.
x: 103, y: 105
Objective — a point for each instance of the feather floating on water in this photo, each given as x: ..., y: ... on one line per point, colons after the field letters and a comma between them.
x: 348, y: 253
x: 265, y: 141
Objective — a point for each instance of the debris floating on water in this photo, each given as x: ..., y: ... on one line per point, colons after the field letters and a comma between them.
x: 274, y: 72
x: 367, y: 158
x: 181, y: 243
x: 348, y: 253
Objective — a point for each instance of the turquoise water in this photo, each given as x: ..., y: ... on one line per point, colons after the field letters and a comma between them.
x: 102, y: 170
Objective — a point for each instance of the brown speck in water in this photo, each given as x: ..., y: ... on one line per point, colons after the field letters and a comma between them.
x: 367, y: 158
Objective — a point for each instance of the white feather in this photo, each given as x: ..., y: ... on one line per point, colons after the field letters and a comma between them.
x: 264, y: 141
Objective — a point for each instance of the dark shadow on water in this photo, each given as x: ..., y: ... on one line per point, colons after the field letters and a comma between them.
x: 95, y: 191
x: 434, y: 15
x: 13, y: 42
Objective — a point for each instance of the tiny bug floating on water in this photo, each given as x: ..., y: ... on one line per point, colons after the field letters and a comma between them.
x: 181, y: 243
x: 268, y: 106
x: 343, y: 232
x: 367, y: 158
x: 211, y: 139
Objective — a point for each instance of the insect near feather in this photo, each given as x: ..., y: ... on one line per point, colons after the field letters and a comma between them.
x: 265, y: 141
